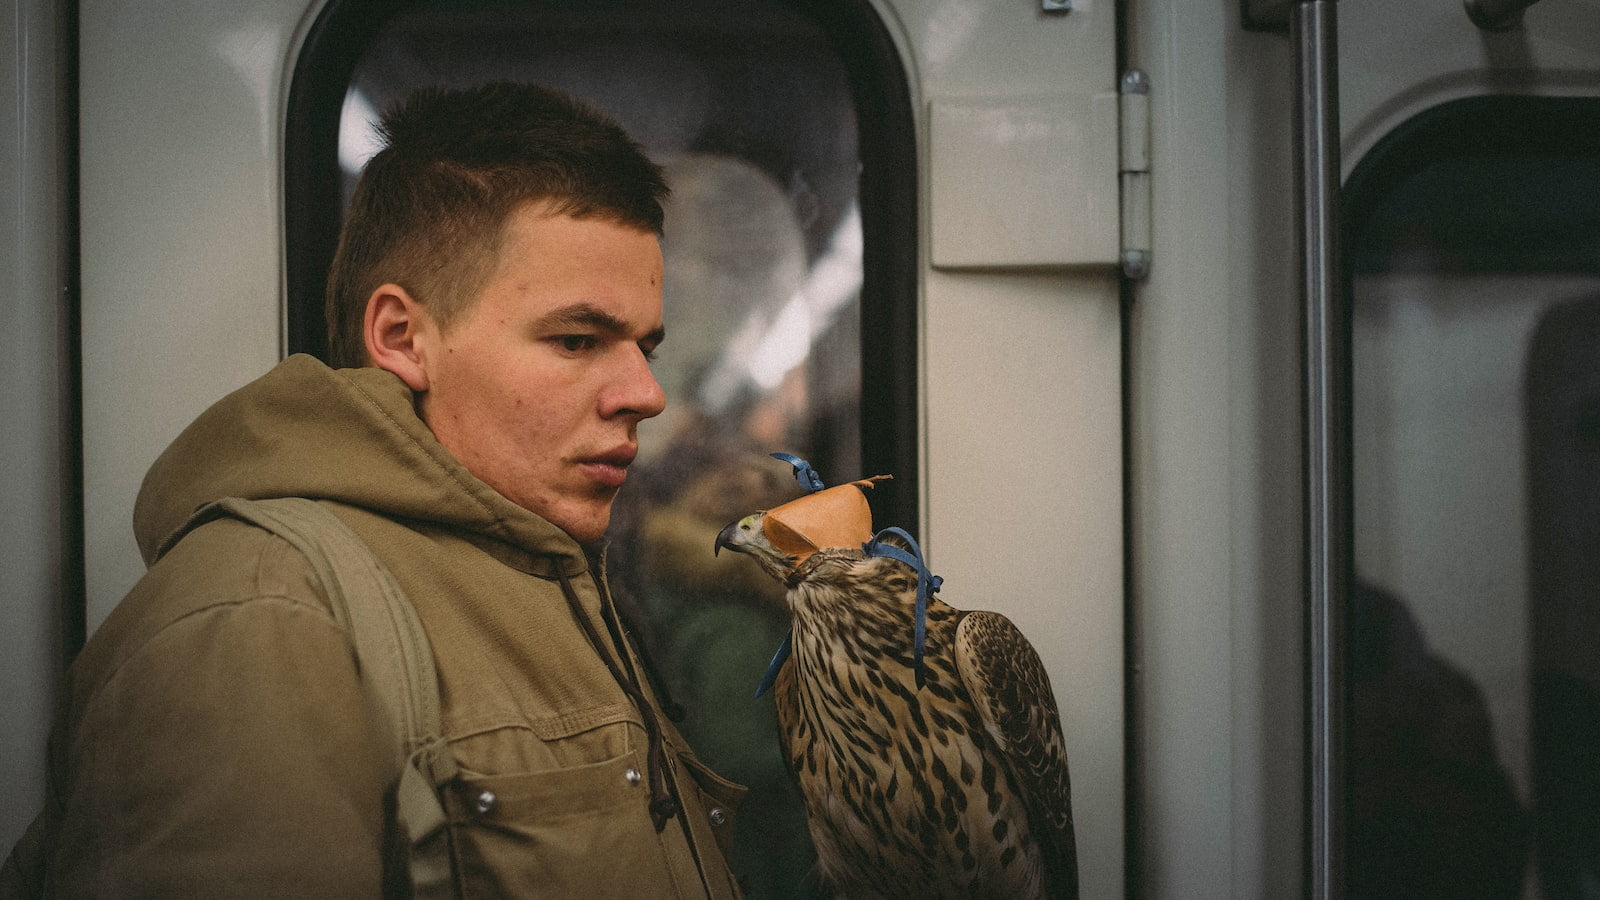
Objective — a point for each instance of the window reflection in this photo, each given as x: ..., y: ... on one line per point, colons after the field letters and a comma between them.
x: 1563, y: 396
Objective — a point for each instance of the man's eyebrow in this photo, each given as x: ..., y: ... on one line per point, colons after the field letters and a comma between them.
x: 586, y: 315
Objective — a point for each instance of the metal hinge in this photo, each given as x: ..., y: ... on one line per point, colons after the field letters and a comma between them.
x: 1134, y: 171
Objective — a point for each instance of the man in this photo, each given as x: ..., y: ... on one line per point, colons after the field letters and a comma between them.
x: 498, y: 281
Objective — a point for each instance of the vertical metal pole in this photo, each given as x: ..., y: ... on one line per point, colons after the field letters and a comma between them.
x: 1327, y: 457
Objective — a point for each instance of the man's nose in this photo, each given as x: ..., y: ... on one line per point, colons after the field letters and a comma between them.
x: 634, y: 390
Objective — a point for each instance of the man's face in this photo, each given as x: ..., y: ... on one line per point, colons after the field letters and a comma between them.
x: 538, y: 388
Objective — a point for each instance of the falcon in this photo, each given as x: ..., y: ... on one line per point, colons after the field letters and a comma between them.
x: 924, y: 738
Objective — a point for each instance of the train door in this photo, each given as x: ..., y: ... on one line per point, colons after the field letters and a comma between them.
x: 1473, y: 276
x: 902, y: 259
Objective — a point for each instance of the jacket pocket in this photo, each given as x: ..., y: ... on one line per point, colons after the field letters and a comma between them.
x: 583, y: 831
x: 719, y: 800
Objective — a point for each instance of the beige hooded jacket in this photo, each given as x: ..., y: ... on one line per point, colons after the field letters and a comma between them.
x: 216, y: 739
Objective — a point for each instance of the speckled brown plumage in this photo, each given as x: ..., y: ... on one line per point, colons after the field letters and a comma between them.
x: 958, y: 789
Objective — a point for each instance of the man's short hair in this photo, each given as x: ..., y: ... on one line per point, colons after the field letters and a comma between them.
x: 429, y: 208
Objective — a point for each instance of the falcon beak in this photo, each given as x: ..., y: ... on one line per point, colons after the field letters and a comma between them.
x: 738, y: 536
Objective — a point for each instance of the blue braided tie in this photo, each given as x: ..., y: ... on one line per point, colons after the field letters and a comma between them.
x: 927, y: 585
x: 778, y: 659
x: 811, y: 481
x: 803, y: 473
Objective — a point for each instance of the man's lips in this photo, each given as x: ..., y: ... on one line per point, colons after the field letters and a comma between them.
x: 609, y: 468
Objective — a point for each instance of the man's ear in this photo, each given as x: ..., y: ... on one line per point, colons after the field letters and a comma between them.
x: 396, y: 330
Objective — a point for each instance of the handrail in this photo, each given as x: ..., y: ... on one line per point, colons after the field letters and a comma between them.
x: 1313, y: 33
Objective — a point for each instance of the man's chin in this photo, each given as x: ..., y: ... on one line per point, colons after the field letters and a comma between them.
x: 584, y: 527
x: 583, y: 515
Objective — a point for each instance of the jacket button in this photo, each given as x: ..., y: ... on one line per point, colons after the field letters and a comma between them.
x: 633, y: 777
x: 718, y: 816
x: 485, y: 802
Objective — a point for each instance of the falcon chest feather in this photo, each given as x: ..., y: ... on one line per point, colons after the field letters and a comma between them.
x: 912, y: 802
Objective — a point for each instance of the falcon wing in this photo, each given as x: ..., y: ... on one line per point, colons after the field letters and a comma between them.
x: 1011, y: 692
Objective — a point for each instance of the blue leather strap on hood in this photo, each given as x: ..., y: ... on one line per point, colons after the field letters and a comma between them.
x: 811, y: 481
x: 803, y: 473
x: 778, y: 659
x: 928, y: 584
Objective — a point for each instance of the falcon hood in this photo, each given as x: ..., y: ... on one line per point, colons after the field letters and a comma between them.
x: 785, y: 536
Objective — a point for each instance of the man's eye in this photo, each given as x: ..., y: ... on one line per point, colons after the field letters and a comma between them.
x: 577, y: 343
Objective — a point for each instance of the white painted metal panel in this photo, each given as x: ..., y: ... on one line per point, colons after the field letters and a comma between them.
x: 1023, y: 181
x: 1025, y: 501
x: 181, y: 236
x: 1022, y: 393
x: 1214, y: 458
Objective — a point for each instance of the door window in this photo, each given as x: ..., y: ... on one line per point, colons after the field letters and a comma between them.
x: 1473, y: 247
x: 789, y: 301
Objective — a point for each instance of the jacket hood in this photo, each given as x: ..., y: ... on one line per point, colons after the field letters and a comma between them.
x: 349, y: 435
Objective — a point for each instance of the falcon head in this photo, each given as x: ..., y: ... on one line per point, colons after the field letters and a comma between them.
x: 784, y: 536
x: 748, y: 536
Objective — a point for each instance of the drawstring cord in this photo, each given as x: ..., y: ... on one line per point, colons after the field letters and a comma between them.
x: 662, y: 804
